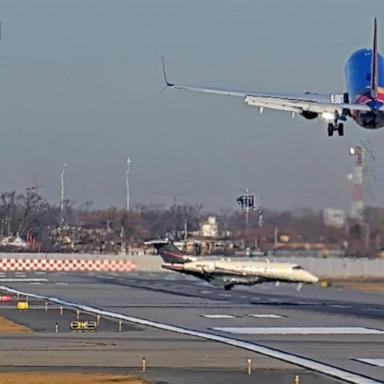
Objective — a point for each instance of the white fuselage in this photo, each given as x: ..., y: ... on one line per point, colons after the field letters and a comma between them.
x: 265, y: 270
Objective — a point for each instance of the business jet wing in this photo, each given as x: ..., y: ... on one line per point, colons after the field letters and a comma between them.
x: 302, y: 103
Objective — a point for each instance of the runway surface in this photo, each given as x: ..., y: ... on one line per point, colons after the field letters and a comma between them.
x: 339, y: 327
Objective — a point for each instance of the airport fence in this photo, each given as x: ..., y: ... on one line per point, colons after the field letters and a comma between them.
x: 339, y: 267
x: 331, y: 267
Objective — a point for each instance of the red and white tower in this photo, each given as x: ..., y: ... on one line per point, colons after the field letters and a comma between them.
x: 357, y: 207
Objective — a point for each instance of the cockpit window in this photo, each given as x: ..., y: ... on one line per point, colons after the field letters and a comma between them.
x: 297, y: 268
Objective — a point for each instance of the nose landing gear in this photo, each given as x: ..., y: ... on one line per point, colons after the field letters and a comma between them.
x: 228, y: 287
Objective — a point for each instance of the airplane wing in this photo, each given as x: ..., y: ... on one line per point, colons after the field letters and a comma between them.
x: 306, y: 102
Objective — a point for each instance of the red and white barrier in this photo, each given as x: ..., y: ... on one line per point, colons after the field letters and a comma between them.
x: 66, y: 265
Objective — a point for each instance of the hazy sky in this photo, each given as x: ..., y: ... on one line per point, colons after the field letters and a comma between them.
x: 81, y: 83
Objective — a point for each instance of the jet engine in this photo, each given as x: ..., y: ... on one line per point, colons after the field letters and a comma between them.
x: 309, y: 115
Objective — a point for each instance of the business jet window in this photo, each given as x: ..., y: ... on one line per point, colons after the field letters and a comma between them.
x: 296, y: 268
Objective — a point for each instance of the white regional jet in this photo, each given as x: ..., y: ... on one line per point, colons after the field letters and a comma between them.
x: 227, y: 272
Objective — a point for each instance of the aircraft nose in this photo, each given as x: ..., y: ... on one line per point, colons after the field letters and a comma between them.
x: 313, y: 278
x: 309, y: 278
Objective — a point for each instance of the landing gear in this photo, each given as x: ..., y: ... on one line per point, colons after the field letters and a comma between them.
x: 339, y: 127
x: 228, y: 287
x: 299, y: 287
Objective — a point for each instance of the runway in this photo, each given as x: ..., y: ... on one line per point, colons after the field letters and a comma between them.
x: 281, y: 319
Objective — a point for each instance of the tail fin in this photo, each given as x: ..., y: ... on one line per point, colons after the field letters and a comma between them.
x: 374, y: 63
x: 168, y: 252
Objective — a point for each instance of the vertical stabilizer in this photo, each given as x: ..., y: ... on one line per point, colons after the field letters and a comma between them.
x: 374, y: 63
x: 168, y: 252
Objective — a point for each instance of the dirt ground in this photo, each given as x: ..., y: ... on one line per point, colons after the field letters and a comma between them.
x: 360, y: 284
x: 365, y: 287
x: 67, y: 378
x: 7, y: 326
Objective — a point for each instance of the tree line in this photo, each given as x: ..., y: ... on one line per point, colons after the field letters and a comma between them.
x: 30, y: 215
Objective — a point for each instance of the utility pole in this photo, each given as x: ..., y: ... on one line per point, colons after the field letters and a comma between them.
x: 185, y: 230
x: 62, y: 195
x: 357, y: 178
x: 128, y: 205
x: 357, y: 207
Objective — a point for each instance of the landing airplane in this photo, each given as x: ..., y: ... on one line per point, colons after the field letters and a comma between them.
x: 363, y: 101
x: 227, y: 272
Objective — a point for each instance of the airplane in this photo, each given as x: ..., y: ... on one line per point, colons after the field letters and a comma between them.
x: 227, y: 272
x: 363, y: 101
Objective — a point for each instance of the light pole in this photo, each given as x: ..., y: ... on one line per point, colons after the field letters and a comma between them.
x: 357, y: 208
x: 247, y: 203
x: 128, y: 206
x: 62, y: 195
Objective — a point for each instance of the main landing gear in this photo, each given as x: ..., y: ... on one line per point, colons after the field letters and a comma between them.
x: 339, y: 127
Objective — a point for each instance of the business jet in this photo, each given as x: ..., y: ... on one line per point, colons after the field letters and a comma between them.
x: 228, y: 273
x: 363, y: 101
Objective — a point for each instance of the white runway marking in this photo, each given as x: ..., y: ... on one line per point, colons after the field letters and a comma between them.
x: 374, y: 362
x: 299, y: 330
x: 301, y: 361
x: 265, y: 316
x: 22, y: 280
x: 170, y: 278
x: 218, y: 316
x: 225, y: 295
x: 100, y: 276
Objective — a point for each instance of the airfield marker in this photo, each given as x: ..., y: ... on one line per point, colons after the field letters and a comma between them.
x: 249, y: 366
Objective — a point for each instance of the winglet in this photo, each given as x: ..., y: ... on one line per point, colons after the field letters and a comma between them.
x: 167, y: 83
x: 374, y: 63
